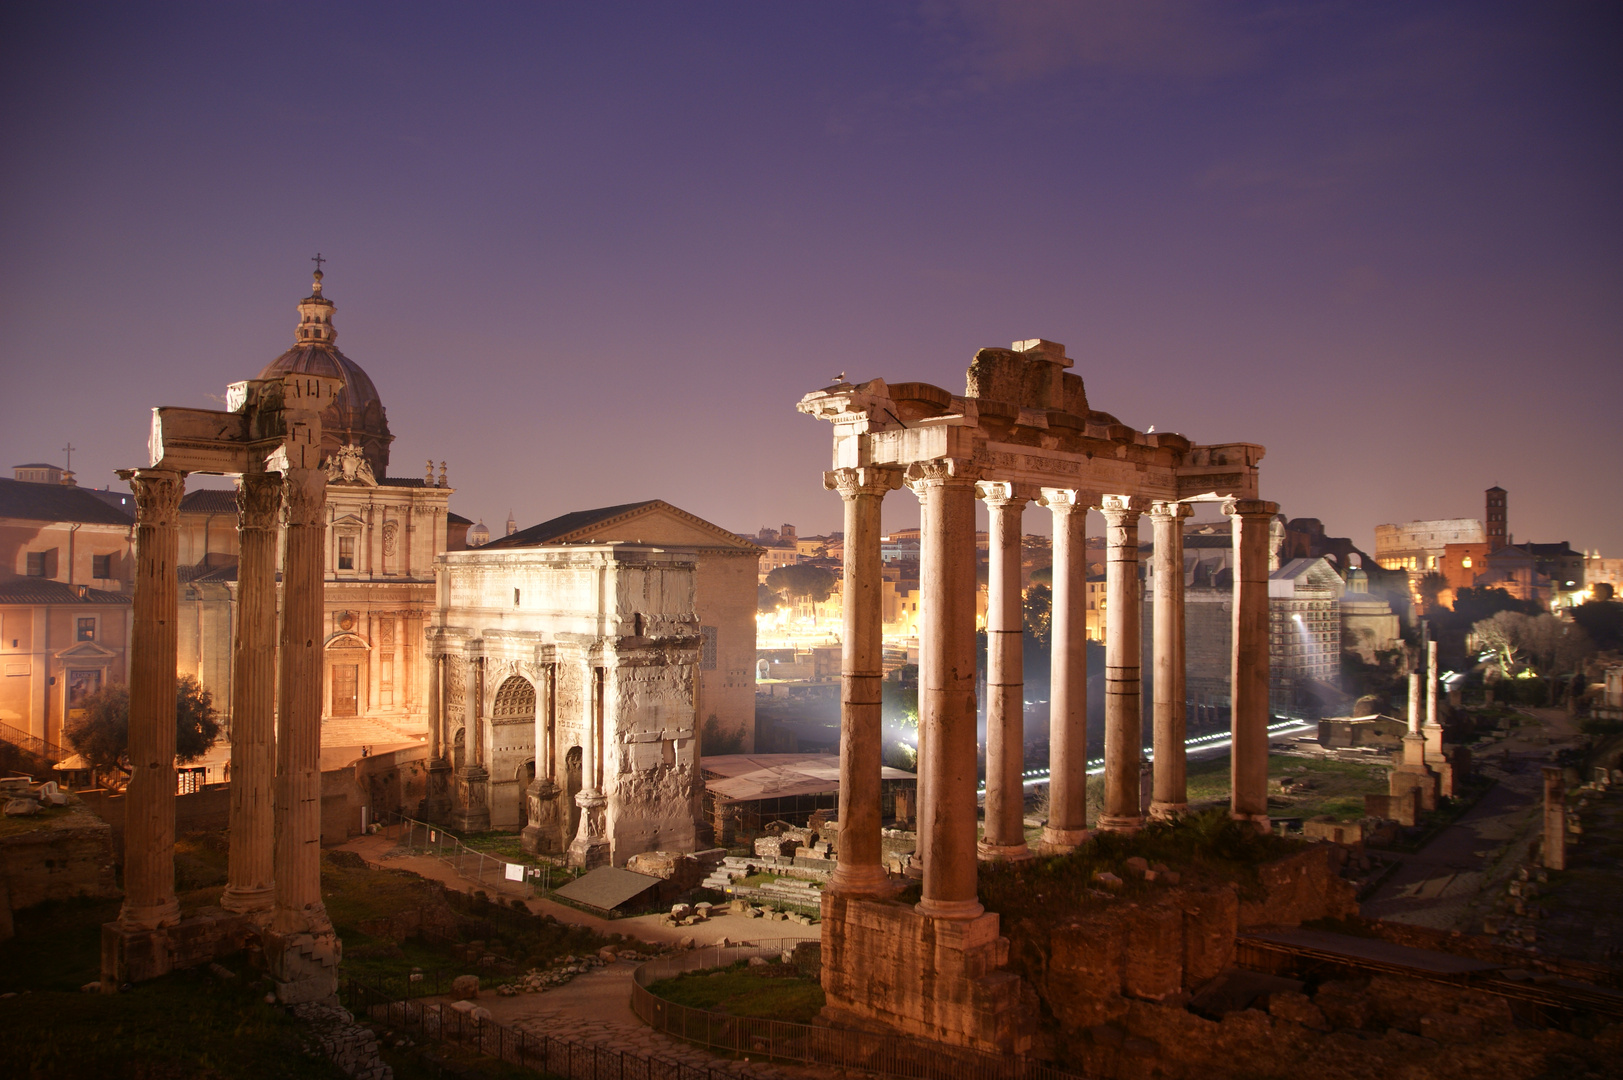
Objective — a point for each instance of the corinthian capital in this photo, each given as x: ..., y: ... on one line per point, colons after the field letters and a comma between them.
x: 304, y: 496
x: 1123, y: 505
x: 1250, y: 508
x: 938, y: 471
x: 157, y: 495
x: 851, y: 483
x: 259, y: 497
x: 998, y: 493
x: 1164, y: 508
x: 1068, y: 500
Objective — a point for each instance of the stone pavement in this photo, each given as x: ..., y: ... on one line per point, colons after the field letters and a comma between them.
x: 1451, y: 882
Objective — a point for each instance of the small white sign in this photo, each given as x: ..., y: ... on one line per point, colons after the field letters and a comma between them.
x: 515, y: 872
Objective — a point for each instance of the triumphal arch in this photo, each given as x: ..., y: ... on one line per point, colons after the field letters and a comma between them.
x: 1022, y: 431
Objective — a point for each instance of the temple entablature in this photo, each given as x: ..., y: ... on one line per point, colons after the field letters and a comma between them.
x: 1023, y: 418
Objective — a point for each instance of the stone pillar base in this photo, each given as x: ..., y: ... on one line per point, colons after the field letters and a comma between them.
x: 130, y: 955
x: 1445, y: 774
x: 590, y: 848
x: 1062, y: 841
x: 1168, y: 811
x: 436, y: 802
x: 256, y: 904
x: 1002, y: 852
x: 543, y: 834
x: 1262, y: 821
x: 1405, y: 777
x: 589, y: 854
x: 885, y: 963
x: 1120, y: 823
x: 304, y: 966
x: 871, y: 881
x: 472, y: 812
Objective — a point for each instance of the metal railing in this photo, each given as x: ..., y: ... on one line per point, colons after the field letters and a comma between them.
x: 565, y: 1058
x: 32, y: 743
x: 426, y: 838
x: 890, y: 1054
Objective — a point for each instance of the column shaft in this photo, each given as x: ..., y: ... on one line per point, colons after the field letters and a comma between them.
x: 1068, y: 682
x: 298, y: 734
x: 1124, y: 719
x: 948, y: 766
x: 1005, y: 836
x: 861, y: 870
x: 1249, y: 673
x: 251, y: 882
x: 436, y: 708
x: 1170, y: 796
x: 149, y: 819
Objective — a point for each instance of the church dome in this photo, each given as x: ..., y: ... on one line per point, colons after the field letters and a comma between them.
x: 479, y: 535
x: 356, y: 414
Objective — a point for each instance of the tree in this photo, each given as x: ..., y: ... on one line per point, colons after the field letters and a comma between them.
x: 802, y: 580
x: 1037, y: 614
x: 1602, y: 620
x: 1431, y: 587
x: 1542, y: 644
x: 101, y: 731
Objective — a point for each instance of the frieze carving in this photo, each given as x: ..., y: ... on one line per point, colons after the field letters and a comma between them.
x: 157, y: 495
x: 851, y: 483
x: 259, y: 500
x: 455, y: 685
x: 304, y: 497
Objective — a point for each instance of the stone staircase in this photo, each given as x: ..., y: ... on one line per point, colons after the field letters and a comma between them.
x: 364, y: 731
x: 798, y: 886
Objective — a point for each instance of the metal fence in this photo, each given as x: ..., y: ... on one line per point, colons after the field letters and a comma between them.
x: 890, y: 1055
x: 563, y: 1058
x: 425, y: 838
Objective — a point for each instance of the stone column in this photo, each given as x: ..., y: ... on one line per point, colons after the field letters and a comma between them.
x: 861, y: 871
x: 1124, y: 710
x: 1068, y: 682
x: 302, y: 950
x: 1433, y: 730
x: 1169, y: 787
x: 436, y: 803
x: 948, y: 764
x: 1249, y: 674
x: 251, y: 884
x: 1554, y: 847
x: 149, y: 815
x: 435, y: 708
x: 540, y: 833
x: 590, y: 847
x: 1005, y: 836
x: 472, y: 812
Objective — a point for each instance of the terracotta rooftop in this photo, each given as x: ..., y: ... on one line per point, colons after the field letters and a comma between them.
x: 54, y: 502
x: 46, y: 591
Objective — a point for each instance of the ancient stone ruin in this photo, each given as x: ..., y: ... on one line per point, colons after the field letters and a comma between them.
x: 1022, y: 431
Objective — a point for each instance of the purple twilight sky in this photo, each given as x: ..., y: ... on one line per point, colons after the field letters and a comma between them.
x: 593, y: 253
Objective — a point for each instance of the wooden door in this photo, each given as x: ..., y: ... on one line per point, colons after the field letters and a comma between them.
x: 345, y: 680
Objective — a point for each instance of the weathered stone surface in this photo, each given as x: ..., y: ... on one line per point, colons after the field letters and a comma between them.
x: 1300, y: 888
x: 68, y: 856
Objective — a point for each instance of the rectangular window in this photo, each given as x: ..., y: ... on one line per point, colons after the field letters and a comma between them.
x: 87, y: 629
x: 386, y: 679
x: 346, y: 553
x: 707, y: 654
x: 36, y: 564
x: 101, y: 566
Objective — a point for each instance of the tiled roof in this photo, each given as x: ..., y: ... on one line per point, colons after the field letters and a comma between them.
x: 456, y: 519
x: 203, y: 574
x: 46, y: 591
x: 56, y: 502
x: 209, y: 501
x: 549, y: 531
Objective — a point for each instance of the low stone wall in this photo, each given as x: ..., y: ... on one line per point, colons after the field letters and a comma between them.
x: 70, y: 856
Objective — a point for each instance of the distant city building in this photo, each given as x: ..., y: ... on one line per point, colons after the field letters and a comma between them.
x: 1369, y: 626
x: 1417, y: 546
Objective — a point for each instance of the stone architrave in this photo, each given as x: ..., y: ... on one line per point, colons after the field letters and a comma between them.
x: 1123, y: 681
x: 860, y: 870
x: 948, y: 764
x: 1005, y: 835
x: 1067, y: 824
x: 149, y: 816
x: 1169, y: 785
x: 301, y: 948
x: 251, y: 883
x: 1249, y: 677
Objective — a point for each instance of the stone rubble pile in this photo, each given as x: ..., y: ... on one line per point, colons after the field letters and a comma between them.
x: 539, y: 981
x: 332, y: 1033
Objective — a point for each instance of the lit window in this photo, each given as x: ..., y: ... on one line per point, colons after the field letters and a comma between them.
x: 1466, y: 562
x: 346, y: 553
x: 87, y: 629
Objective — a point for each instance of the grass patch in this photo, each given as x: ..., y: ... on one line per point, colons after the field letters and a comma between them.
x: 1337, y: 788
x: 189, y: 1024
x: 1205, y: 848
x: 772, y: 992
x: 57, y: 947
